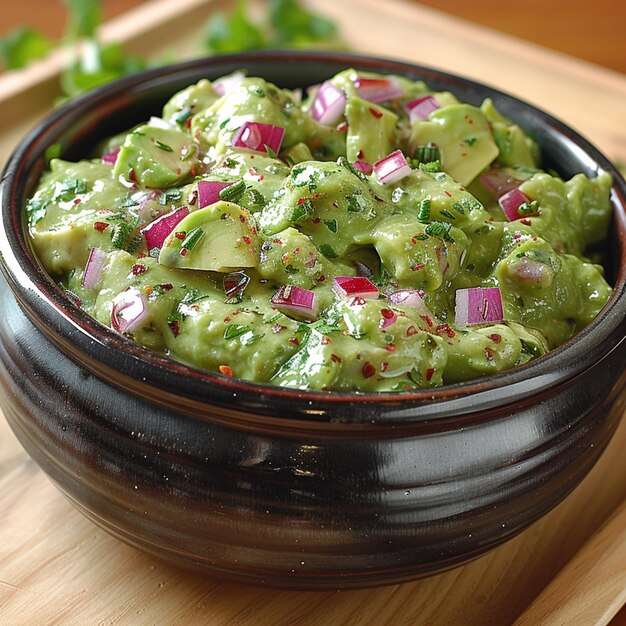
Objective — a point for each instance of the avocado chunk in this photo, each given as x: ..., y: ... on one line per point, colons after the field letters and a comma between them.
x: 183, y: 105
x: 218, y: 238
x: 371, y: 131
x: 156, y: 157
x: 462, y: 134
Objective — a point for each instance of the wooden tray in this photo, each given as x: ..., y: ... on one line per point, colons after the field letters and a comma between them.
x: 56, y: 567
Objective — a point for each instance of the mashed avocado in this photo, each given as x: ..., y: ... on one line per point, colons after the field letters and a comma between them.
x: 328, y: 243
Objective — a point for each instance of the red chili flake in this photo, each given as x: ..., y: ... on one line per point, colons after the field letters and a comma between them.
x: 277, y: 328
x: 387, y: 313
x: 180, y: 235
x: 415, y: 239
x: 376, y: 114
x: 517, y: 235
x: 296, y: 250
x: 247, y: 239
x: 489, y: 354
x: 335, y: 358
x: 343, y: 127
x: 226, y: 370
x: 242, y: 219
x: 278, y: 241
x: 358, y: 301
x: 236, y: 312
x: 100, y: 226
x: 316, y: 220
x: 179, y: 171
x: 192, y: 170
x: 261, y: 177
x: 326, y: 340
x: 418, y: 267
x: 139, y: 269
x: 174, y: 327
x: 183, y: 252
x: 166, y: 286
x: 526, y: 221
x: 535, y: 239
x: 360, y: 154
x: 321, y: 278
x: 77, y: 201
x: 447, y: 193
x: 141, y: 255
x: 187, y: 122
x: 429, y: 373
x: 445, y: 328
x: 383, y: 366
x: 301, y: 200
x: 132, y: 176
x: 390, y: 347
x: 368, y: 370
x: 411, y: 330
x: 428, y: 320
x: 294, y: 341
x: 495, y: 338
x: 227, y: 319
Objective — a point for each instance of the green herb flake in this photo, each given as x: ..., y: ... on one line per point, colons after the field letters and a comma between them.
x: 270, y: 152
x: 328, y: 251
x: 471, y: 140
x: 235, y: 330
x: 234, y: 192
x: 424, y: 210
x: 440, y: 229
x: 343, y: 161
x: 182, y: 116
x: 163, y: 146
x: 303, y: 209
x: 331, y: 225
x: 191, y: 240
x: 427, y: 153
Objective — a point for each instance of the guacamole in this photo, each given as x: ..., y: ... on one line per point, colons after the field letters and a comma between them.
x: 374, y: 235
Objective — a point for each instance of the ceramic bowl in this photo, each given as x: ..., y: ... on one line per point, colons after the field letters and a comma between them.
x: 277, y: 486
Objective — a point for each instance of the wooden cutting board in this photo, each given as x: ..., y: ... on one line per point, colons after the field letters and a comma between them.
x: 58, y: 568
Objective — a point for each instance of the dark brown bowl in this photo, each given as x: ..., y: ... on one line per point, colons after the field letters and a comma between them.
x: 277, y: 486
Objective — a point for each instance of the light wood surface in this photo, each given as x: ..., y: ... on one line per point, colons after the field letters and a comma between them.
x: 57, y: 568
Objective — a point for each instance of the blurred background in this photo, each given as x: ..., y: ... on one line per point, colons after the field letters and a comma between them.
x: 591, y: 32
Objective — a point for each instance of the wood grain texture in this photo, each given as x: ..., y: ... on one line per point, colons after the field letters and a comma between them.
x: 592, y: 586
x: 58, y: 568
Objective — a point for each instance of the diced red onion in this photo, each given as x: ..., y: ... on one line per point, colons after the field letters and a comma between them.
x: 511, y: 201
x: 355, y: 286
x: 226, y: 83
x: 128, y: 311
x: 256, y: 136
x: 209, y: 191
x: 93, y: 268
x: 388, y: 318
x: 157, y: 231
x: 497, y: 182
x: 378, y: 89
x: 362, y: 269
x: 478, y: 305
x: 329, y: 104
x: 392, y: 168
x: 362, y: 166
x: 421, y: 108
x: 234, y: 284
x: 413, y: 298
x: 110, y: 157
x: 297, y: 301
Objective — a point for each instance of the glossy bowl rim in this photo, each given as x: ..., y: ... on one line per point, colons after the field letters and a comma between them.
x: 88, y: 341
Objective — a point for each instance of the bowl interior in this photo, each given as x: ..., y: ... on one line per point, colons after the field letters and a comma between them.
x: 80, y: 125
